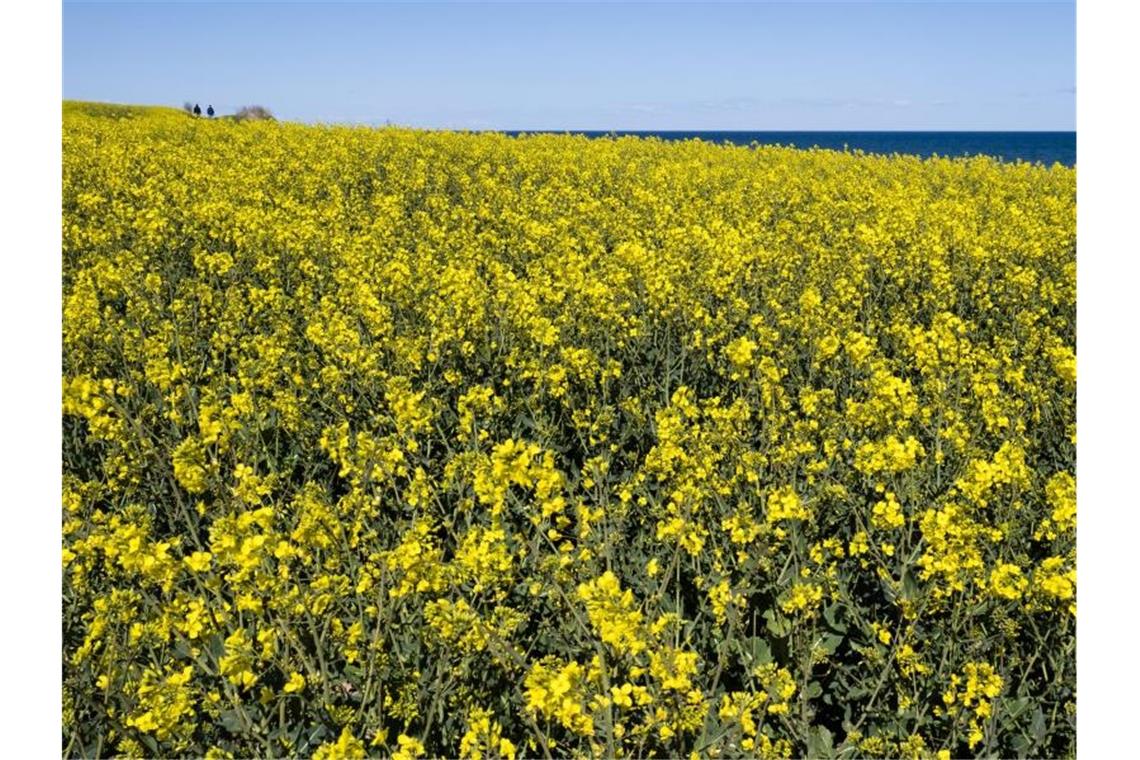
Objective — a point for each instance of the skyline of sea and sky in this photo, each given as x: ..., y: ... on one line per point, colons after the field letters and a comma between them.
x: 1045, y: 147
x: 852, y: 69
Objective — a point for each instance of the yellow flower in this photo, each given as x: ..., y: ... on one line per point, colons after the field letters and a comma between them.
x: 784, y: 504
x: 199, y: 562
x: 408, y: 748
x: 882, y: 633
x: 295, y: 683
x: 346, y: 747
x: 887, y: 514
x: 1007, y: 581
x: 802, y: 598
x: 613, y: 613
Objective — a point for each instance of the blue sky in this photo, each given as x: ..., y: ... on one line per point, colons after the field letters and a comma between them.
x: 806, y: 65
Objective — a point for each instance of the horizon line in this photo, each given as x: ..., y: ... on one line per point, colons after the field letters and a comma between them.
x: 377, y: 122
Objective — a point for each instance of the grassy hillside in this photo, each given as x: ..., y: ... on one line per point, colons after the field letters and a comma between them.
x: 72, y: 108
x: 77, y: 108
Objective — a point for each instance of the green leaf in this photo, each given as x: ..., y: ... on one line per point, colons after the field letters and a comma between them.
x: 182, y: 649
x: 150, y: 742
x: 1037, y: 728
x: 1013, y: 708
x: 759, y: 651
x: 232, y: 722
x: 778, y: 625
x: 831, y: 617
x: 830, y: 642
x: 910, y: 588
x: 819, y: 743
x: 216, y: 645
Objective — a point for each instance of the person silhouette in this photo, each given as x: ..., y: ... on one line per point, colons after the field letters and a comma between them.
x: 197, y: 110
x: 210, y: 111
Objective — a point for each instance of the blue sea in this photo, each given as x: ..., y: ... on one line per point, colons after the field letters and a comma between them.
x: 1035, y: 147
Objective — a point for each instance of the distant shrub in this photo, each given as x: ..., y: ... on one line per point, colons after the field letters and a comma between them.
x: 253, y: 113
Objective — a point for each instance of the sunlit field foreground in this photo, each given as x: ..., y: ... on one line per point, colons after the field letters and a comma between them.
x: 414, y: 444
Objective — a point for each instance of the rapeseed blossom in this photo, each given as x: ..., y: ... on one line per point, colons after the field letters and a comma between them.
x: 408, y: 444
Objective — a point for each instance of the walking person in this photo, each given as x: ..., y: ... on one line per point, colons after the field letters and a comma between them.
x: 197, y: 110
x: 210, y: 111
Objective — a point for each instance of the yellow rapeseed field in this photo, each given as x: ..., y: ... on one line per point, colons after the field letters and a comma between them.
x: 402, y: 444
